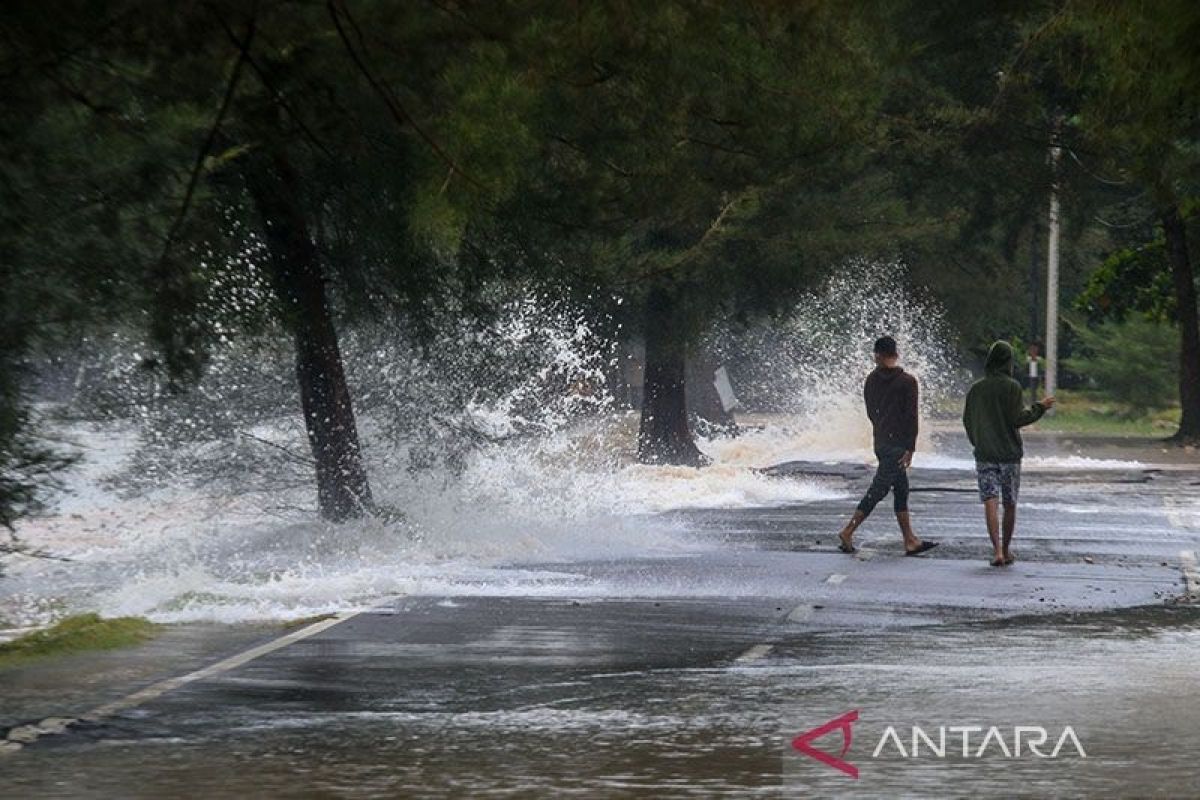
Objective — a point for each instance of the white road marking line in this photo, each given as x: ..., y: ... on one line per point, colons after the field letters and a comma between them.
x: 25, y: 734
x: 1191, y: 575
x: 1181, y: 513
x: 801, y: 613
x: 835, y: 578
x: 868, y: 549
x: 754, y: 653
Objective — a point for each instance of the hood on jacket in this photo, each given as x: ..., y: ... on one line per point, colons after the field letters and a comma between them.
x: 1000, y: 359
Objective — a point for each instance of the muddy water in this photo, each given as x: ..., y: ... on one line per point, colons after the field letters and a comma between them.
x: 1126, y: 683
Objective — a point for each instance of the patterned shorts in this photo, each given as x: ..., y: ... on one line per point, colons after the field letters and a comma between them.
x: 999, y: 480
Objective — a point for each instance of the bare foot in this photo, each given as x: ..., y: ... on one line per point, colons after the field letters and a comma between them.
x: 847, y: 542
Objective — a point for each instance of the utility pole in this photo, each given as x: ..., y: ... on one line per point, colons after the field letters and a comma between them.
x: 1052, y: 269
x: 1034, y: 279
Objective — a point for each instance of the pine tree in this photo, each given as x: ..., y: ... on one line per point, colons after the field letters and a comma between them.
x: 1136, y: 72
x: 698, y: 159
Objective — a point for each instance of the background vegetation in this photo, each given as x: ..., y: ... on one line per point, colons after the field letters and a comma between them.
x: 214, y: 170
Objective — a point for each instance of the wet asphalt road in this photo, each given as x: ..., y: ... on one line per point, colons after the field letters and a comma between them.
x: 690, y: 675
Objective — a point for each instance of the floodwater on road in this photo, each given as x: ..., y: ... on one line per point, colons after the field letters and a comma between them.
x: 632, y: 668
x: 1125, y: 683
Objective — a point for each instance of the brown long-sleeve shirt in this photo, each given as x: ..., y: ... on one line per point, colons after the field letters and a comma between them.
x: 891, y: 397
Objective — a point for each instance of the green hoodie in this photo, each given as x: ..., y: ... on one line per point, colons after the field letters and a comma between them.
x: 995, y: 411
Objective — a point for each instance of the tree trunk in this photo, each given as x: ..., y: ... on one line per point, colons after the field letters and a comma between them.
x: 342, y: 488
x: 1189, y: 325
x: 665, y: 436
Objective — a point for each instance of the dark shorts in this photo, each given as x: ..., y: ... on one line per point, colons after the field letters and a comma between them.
x: 890, y: 476
x: 998, y: 480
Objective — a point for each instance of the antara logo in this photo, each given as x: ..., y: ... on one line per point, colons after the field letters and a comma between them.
x: 1031, y: 739
x: 803, y: 742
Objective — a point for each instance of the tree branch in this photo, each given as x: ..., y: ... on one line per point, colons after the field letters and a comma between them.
x: 389, y: 98
x: 293, y: 456
x: 684, y: 258
x: 276, y: 95
x: 209, y: 140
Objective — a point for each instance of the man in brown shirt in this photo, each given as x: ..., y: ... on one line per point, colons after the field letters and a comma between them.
x: 891, y: 397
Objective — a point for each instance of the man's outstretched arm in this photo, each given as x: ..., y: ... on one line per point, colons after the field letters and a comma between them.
x: 1022, y: 416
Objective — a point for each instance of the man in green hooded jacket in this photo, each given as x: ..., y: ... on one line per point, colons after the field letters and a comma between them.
x: 993, y: 415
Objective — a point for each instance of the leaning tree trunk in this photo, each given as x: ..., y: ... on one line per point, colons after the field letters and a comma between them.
x: 1189, y: 325
x: 665, y: 436
x: 342, y: 488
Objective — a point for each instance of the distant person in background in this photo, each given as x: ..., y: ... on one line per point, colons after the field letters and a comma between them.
x: 891, y: 397
x: 993, y: 414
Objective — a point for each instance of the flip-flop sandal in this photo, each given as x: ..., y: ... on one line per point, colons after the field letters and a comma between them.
x: 924, y: 548
x: 847, y: 548
x: 1011, y: 558
x: 997, y: 562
